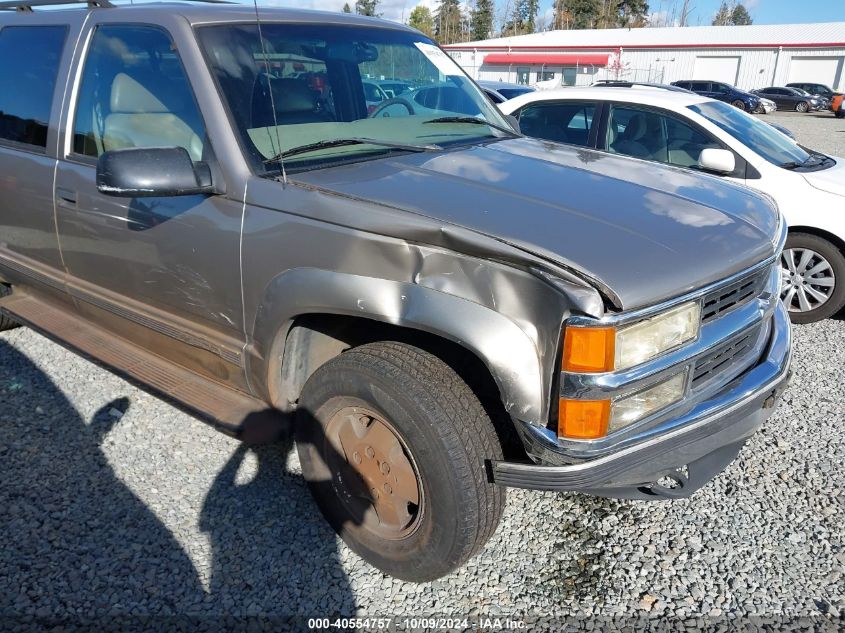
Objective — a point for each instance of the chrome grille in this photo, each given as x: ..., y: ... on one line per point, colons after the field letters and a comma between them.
x: 724, y: 356
x: 722, y: 300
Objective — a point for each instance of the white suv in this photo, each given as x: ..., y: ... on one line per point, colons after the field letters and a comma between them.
x: 694, y: 132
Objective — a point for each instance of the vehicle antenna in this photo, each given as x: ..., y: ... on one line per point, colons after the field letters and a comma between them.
x: 276, y: 150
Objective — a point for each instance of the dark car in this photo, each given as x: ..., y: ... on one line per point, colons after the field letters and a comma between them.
x: 815, y: 89
x: 613, y: 83
x: 508, y: 91
x: 722, y: 92
x: 791, y: 98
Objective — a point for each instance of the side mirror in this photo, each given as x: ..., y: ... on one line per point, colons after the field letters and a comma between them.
x: 514, y: 122
x: 152, y: 172
x: 720, y: 161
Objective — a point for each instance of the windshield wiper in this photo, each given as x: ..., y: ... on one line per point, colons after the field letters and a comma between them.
x: 474, y: 121
x: 791, y: 165
x: 340, y: 142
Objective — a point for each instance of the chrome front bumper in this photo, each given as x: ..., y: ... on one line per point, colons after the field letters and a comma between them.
x: 694, y: 449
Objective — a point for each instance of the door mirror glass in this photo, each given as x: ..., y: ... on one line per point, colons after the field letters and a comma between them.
x: 152, y: 172
x: 720, y: 161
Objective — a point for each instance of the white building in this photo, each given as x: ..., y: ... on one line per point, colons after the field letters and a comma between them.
x: 747, y: 56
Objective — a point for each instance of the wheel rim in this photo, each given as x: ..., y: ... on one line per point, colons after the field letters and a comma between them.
x: 801, y: 107
x: 374, y: 474
x: 807, y: 279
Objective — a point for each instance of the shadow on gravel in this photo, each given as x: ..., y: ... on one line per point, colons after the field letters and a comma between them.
x: 76, y: 542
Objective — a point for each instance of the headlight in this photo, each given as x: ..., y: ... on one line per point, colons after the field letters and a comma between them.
x: 642, y: 341
x: 602, y: 349
x: 593, y: 419
x: 628, y: 410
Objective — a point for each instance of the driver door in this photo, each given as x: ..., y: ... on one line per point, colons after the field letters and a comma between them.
x: 161, y: 272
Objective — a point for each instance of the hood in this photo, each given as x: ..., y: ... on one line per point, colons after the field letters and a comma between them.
x: 645, y: 231
x: 831, y: 180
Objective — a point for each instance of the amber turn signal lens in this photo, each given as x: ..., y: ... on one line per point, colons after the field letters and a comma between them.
x: 588, y: 349
x: 583, y: 419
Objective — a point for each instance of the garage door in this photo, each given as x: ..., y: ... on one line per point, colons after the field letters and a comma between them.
x: 819, y: 70
x: 724, y: 69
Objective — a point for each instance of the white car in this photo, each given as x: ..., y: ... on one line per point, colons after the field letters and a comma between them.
x: 694, y: 132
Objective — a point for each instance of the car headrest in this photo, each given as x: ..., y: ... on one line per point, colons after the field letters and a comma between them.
x: 130, y: 97
x: 292, y: 96
x: 636, y: 128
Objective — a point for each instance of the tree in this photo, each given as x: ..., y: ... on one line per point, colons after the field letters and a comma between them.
x: 422, y: 20
x: 367, y: 7
x: 481, y: 20
x: 523, y: 19
x: 448, y: 22
x: 346, y: 8
x: 740, y: 16
x: 732, y: 14
x: 600, y: 14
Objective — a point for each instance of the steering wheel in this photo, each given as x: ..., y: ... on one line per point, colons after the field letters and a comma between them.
x: 389, y: 102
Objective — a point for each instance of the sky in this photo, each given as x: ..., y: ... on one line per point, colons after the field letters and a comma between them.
x: 762, y: 11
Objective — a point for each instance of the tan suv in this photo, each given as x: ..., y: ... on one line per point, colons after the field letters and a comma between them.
x: 207, y: 205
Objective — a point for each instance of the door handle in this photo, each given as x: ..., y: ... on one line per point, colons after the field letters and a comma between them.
x: 68, y: 196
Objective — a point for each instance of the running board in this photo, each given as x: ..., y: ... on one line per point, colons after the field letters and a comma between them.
x: 233, y: 412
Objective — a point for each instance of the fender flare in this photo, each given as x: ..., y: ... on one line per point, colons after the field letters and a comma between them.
x: 504, y: 347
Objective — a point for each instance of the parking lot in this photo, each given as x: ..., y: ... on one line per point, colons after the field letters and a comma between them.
x: 115, y: 503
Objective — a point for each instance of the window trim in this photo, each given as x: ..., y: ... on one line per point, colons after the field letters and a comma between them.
x: 31, y: 148
x: 67, y: 152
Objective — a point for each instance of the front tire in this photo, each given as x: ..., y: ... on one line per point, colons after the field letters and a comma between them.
x: 802, y: 106
x: 739, y: 104
x: 840, y: 114
x: 813, y: 278
x: 394, y: 446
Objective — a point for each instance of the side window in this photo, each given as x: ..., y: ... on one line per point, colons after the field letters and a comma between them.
x: 685, y: 143
x: 700, y: 86
x: 559, y: 122
x: 135, y: 93
x: 655, y: 136
x: 31, y: 57
x: 638, y: 133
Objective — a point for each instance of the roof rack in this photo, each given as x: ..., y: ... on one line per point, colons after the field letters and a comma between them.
x: 26, y: 6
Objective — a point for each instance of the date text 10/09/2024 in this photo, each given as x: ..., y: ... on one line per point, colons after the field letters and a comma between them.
x: 416, y: 624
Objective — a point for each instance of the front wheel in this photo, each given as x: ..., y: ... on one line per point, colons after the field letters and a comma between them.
x: 739, y: 104
x: 813, y: 278
x: 840, y: 114
x: 802, y: 106
x: 394, y: 445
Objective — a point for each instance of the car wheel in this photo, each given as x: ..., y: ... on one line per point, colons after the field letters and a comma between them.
x: 739, y: 104
x: 802, y: 106
x: 813, y: 278
x: 6, y: 322
x: 394, y: 446
x: 840, y: 114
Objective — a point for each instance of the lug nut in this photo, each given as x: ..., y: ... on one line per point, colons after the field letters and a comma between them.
x: 385, y: 468
x: 370, y: 452
x: 388, y: 489
x: 357, y: 457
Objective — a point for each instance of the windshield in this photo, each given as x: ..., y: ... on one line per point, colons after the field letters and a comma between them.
x: 759, y: 137
x: 311, y: 85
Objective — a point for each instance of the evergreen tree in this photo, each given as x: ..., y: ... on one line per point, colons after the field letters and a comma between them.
x: 347, y: 8
x: 481, y: 22
x: 422, y: 20
x: 740, y: 16
x: 585, y: 13
x: 732, y: 14
x: 367, y: 7
x: 448, y: 22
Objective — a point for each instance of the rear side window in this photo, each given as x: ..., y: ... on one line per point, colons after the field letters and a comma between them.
x: 560, y: 122
x: 31, y: 57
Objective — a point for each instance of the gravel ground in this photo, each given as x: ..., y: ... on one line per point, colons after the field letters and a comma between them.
x: 818, y: 130
x: 115, y: 503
